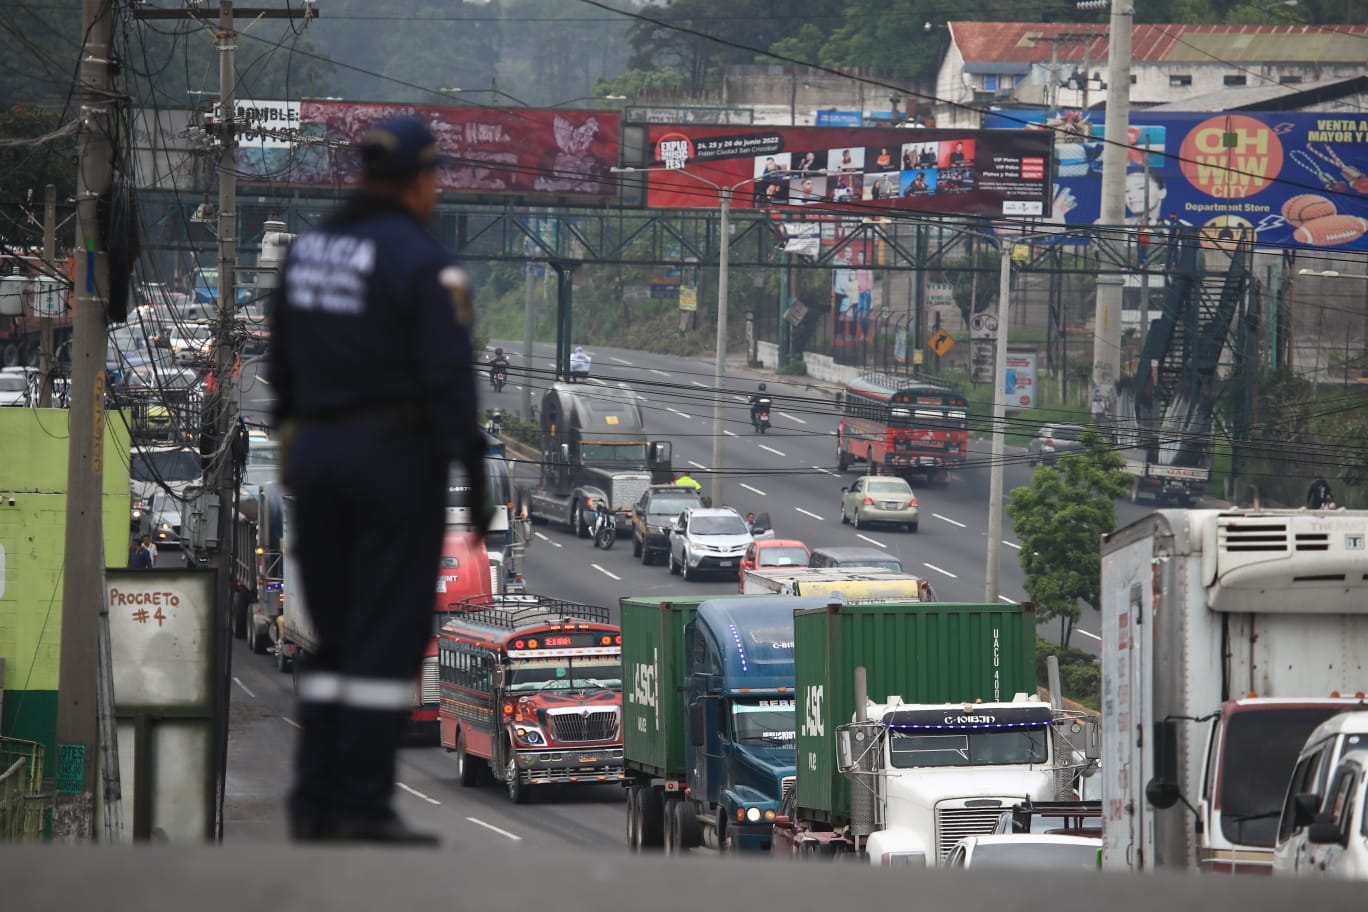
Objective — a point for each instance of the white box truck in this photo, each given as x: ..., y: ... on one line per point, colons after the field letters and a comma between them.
x: 1227, y: 637
x: 866, y: 585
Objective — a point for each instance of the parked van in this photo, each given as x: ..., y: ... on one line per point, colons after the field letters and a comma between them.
x: 1307, y: 793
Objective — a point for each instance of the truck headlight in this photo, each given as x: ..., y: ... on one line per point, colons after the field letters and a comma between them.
x: 753, y: 815
x: 529, y: 735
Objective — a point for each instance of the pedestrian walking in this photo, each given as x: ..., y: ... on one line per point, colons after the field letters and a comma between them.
x: 373, y: 372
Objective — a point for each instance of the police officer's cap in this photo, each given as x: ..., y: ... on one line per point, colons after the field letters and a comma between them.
x: 398, y: 148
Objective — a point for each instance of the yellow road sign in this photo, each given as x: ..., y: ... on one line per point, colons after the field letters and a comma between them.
x: 941, y: 342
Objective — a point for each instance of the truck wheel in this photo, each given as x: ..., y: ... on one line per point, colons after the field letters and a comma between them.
x: 633, y: 819
x: 581, y: 527
x: 518, y: 791
x: 10, y: 355
x: 685, y: 823
x: 467, y: 767
x: 669, y: 833
x: 240, y: 615
x: 651, y: 819
x: 842, y: 457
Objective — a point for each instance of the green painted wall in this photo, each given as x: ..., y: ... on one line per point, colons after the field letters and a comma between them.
x: 33, y: 470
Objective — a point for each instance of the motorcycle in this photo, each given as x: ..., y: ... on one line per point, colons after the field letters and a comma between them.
x: 498, y: 376
x: 494, y: 426
x: 760, y: 415
x: 605, y: 527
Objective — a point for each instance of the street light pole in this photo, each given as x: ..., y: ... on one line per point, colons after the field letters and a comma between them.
x: 993, y: 571
x: 720, y: 369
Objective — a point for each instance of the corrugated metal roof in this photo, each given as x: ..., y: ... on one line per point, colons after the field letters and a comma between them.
x: 1259, y: 97
x: 1036, y: 42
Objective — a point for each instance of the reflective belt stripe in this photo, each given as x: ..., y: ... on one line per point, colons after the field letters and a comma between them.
x: 320, y: 687
x: 372, y: 693
x: 361, y: 693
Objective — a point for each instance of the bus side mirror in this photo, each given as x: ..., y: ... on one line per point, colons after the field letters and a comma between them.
x: 497, y: 678
x: 1304, y: 807
x: 1162, y: 790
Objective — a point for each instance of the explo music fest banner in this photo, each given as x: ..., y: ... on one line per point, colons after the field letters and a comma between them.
x: 1295, y: 180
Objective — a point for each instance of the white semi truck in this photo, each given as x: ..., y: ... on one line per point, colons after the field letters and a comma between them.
x: 1227, y: 637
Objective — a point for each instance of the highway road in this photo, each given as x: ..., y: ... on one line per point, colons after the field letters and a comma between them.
x: 789, y: 473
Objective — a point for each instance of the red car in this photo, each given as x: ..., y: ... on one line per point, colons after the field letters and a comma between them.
x: 773, y: 552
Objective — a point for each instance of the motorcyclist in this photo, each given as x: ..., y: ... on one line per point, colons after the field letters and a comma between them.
x: 498, y: 364
x: 759, y: 401
x: 602, y: 515
x: 579, y: 363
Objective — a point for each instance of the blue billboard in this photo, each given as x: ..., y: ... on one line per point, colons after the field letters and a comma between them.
x: 1288, y: 180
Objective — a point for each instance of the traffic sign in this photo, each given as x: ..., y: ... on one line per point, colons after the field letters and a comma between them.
x: 941, y: 342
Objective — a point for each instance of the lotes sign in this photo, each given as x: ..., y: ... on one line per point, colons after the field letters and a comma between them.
x: 868, y: 171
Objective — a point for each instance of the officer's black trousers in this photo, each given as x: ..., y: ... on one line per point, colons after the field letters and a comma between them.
x: 367, y: 527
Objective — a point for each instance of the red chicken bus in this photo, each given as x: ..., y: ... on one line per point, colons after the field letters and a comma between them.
x: 902, y: 427
x: 531, y: 693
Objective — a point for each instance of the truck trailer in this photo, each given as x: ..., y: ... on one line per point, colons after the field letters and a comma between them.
x: 708, y: 718
x: 1227, y: 637
x: 594, y: 447
x: 954, y: 738
x: 865, y: 585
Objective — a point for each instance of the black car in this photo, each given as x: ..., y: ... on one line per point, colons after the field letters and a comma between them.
x: 653, y: 514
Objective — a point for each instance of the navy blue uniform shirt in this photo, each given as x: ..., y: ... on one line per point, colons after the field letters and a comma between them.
x: 367, y: 317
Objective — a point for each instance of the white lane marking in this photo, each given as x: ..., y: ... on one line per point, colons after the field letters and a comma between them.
x: 729, y: 433
x: 417, y: 794
x: 598, y: 381
x: 697, y: 465
x: 790, y: 417
x: 870, y: 540
x: 949, y: 520
x: 678, y: 412
x: 238, y: 682
x: 261, y: 379
x: 605, y: 572
x: 771, y: 449
x: 620, y: 361
x: 489, y: 826
x: 699, y: 385
x: 660, y: 372
x: 1086, y: 634
x: 288, y: 721
x: 740, y: 398
x: 545, y: 539
x: 1011, y: 544
x: 753, y: 490
x: 939, y: 570
x: 1007, y: 600
x: 806, y: 513
x: 824, y: 471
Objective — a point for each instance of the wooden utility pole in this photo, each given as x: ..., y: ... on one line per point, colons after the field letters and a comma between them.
x: 83, y: 566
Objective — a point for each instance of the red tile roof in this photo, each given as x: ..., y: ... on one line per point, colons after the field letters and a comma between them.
x: 1039, y: 42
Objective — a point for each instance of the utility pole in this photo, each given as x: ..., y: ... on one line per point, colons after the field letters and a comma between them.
x: 992, y: 576
x: 45, y: 360
x: 1107, y: 322
x: 83, y: 568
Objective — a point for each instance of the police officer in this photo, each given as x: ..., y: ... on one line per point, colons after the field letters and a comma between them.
x: 372, y: 368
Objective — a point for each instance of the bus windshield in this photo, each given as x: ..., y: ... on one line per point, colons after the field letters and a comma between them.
x: 589, y: 672
x: 967, y: 748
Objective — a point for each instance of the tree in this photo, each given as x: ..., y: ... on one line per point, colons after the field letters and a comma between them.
x: 1060, y: 520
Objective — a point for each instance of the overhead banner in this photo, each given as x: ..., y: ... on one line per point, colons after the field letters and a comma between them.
x: 872, y: 171
x: 1287, y: 180
x: 524, y: 153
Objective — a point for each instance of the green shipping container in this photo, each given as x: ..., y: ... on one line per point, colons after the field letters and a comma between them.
x: 934, y: 652
x: 653, y: 672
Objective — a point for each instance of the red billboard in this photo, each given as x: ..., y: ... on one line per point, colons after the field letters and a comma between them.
x: 525, y: 153
x: 964, y: 172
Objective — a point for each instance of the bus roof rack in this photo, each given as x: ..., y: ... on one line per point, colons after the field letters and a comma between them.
x: 514, y: 611
x: 901, y: 381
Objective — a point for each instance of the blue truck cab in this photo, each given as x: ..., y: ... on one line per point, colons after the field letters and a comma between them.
x: 738, y: 691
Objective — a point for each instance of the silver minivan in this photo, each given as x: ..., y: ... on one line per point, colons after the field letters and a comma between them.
x: 1307, y: 791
